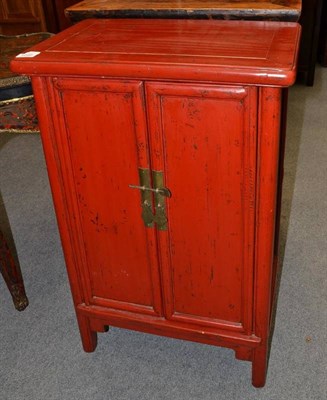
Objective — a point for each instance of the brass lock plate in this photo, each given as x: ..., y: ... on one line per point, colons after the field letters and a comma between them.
x: 160, y: 193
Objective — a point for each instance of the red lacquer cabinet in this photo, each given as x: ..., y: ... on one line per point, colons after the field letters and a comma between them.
x: 162, y: 141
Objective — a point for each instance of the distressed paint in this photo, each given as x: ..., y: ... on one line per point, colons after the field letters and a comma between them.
x: 198, y: 113
x: 244, y: 52
x: 204, y: 138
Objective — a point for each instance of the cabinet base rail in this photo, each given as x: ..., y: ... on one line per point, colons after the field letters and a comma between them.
x: 93, y: 320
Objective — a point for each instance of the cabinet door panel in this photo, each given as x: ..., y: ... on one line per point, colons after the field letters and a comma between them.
x: 106, y: 132
x: 204, y: 139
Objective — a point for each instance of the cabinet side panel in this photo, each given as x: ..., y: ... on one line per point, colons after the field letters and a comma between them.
x: 204, y: 140
x: 46, y: 114
x: 267, y: 189
x: 268, y: 165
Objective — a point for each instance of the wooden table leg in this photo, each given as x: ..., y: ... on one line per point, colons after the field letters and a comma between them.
x: 12, y: 275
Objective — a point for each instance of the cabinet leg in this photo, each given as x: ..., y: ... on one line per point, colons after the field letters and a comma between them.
x: 89, y: 337
x: 259, y: 366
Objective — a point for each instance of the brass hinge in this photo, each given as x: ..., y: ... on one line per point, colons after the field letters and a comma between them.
x: 160, y: 193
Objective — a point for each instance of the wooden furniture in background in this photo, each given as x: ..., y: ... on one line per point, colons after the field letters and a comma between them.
x: 17, y: 114
x: 54, y: 14
x: 12, y: 275
x: 280, y: 10
x: 17, y: 109
x: 163, y: 151
x: 322, y: 53
x: 311, y: 25
x: 29, y: 16
x: 21, y: 16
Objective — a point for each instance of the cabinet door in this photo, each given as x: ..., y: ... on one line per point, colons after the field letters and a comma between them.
x: 103, y: 145
x: 203, y: 138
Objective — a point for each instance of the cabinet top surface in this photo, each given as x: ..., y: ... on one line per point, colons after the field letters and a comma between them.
x: 242, y: 51
x: 288, y: 10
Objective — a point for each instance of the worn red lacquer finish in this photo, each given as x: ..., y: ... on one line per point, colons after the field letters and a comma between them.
x: 196, y: 107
